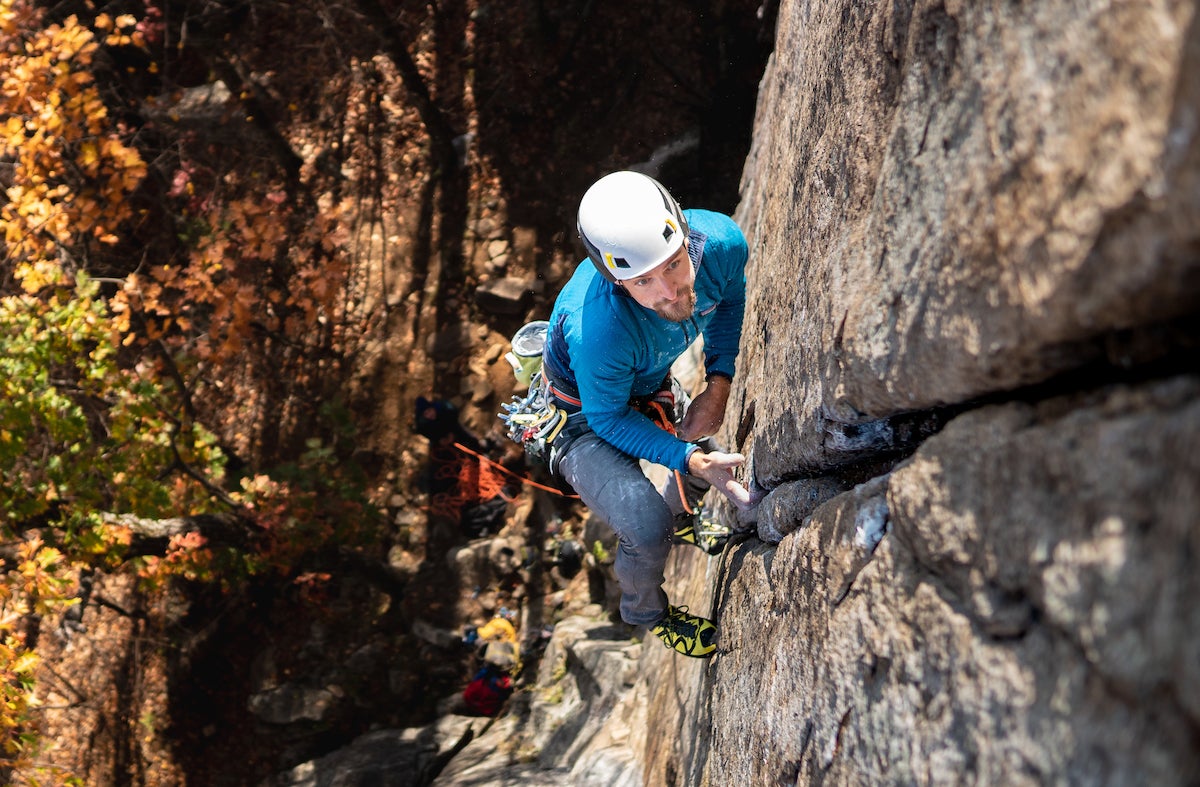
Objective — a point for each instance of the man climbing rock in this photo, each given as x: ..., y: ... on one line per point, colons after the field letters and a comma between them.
x: 658, y: 278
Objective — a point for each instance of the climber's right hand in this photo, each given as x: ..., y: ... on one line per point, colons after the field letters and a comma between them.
x: 717, y: 469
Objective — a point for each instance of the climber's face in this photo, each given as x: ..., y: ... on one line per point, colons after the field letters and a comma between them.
x: 668, y: 288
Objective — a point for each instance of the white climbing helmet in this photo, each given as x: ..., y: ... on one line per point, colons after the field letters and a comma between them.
x: 629, y: 224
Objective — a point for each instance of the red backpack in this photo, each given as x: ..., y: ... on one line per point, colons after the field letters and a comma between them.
x: 487, y: 691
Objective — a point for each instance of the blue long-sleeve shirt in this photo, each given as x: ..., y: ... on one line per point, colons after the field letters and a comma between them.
x: 610, y: 349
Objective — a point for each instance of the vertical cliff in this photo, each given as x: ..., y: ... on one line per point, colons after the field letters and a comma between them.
x: 969, y: 382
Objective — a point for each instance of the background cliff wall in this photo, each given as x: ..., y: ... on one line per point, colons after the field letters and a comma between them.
x: 968, y: 382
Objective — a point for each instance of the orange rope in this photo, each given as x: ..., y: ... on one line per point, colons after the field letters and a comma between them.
x: 474, y: 483
x: 505, y: 470
x: 669, y: 425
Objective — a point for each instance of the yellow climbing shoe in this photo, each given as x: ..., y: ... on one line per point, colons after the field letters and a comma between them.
x: 688, y: 634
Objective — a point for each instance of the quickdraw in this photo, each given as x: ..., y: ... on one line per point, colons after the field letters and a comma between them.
x: 533, y: 420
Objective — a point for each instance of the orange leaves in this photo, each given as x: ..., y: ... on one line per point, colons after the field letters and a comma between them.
x: 42, y: 575
x: 188, y: 557
x: 11, y: 18
x: 124, y: 30
x: 259, y: 227
x: 72, y: 173
x: 215, y: 299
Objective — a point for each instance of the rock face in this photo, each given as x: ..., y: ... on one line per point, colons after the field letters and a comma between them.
x: 968, y: 383
x: 582, y: 724
x: 1026, y: 620
x: 948, y: 200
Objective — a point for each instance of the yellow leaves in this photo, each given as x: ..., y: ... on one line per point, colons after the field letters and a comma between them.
x: 25, y: 663
x: 13, y: 131
x: 42, y: 576
x: 10, y: 20
x: 35, y: 558
x: 39, y: 273
x: 38, y: 583
x: 71, y: 172
x: 123, y: 29
x: 89, y: 156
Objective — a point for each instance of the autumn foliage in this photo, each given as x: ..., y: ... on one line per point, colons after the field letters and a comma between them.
x: 105, y: 346
x: 71, y: 170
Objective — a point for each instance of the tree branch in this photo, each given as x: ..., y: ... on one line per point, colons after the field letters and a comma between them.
x: 441, y: 133
x: 151, y: 536
x: 259, y: 112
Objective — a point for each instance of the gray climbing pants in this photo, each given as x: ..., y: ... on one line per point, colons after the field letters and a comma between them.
x: 614, y: 488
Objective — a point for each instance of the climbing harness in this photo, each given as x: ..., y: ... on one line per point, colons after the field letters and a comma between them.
x: 535, y: 420
x: 656, y: 409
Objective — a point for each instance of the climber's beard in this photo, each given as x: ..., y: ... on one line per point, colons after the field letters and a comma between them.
x: 679, y: 309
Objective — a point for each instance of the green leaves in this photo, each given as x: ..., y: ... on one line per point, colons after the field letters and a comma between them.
x: 78, y: 433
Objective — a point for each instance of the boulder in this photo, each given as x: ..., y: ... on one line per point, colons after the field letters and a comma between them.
x: 507, y: 295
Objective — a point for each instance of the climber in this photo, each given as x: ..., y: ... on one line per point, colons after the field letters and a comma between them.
x: 657, y: 279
